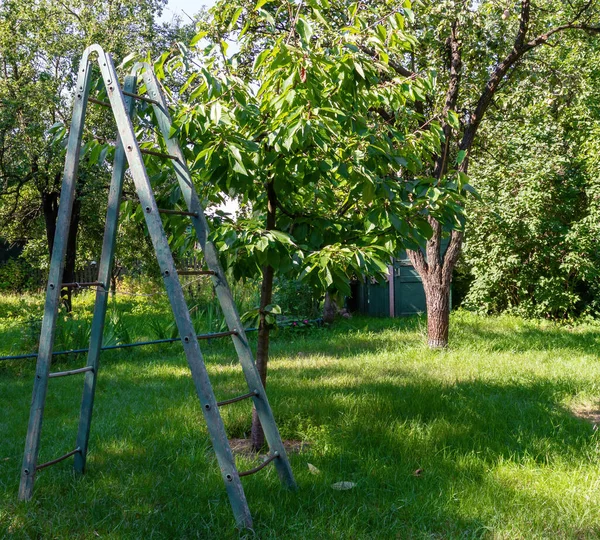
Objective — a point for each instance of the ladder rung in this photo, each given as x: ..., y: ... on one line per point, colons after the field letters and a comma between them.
x: 142, y: 98
x: 76, y: 285
x: 70, y: 372
x: 217, y: 335
x: 99, y: 102
x: 270, y: 458
x: 236, y: 399
x: 57, y: 460
x: 196, y: 273
x: 158, y: 154
x: 177, y: 212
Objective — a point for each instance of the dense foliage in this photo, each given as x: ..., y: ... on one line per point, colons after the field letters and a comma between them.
x: 315, y: 137
x: 532, y: 241
x: 41, y: 43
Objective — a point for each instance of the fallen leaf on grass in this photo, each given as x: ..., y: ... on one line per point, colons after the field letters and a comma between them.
x: 418, y: 472
x: 343, y: 486
x: 313, y: 469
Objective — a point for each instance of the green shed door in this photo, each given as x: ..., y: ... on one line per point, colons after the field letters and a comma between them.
x: 409, y: 296
x: 379, y: 300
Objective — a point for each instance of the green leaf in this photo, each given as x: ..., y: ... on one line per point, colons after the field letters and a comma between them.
x: 273, y: 308
x: 215, y: 112
x: 197, y: 38
x: 235, y: 17
x: 359, y: 69
x: 462, y: 154
x: 304, y: 29
x: 453, y: 120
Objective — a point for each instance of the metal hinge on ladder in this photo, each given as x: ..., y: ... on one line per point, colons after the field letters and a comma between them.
x: 129, y: 153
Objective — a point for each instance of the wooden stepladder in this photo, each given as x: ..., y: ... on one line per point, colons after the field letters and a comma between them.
x: 128, y: 153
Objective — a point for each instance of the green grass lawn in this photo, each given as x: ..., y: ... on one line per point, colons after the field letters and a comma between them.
x: 489, y: 423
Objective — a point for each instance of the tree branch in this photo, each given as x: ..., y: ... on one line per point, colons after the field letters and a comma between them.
x: 396, y: 66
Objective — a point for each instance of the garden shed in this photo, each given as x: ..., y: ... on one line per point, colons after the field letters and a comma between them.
x: 400, y: 294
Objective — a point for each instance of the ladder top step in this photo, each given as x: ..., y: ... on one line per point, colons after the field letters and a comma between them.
x: 196, y: 273
x: 158, y: 154
x: 78, y: 285
x: 142, y: 98
x: 99, y: 102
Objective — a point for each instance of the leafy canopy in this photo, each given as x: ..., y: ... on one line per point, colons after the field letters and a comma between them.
x: 315, y: 131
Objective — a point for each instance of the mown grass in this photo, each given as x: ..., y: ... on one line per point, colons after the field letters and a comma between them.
x: 489, y: 422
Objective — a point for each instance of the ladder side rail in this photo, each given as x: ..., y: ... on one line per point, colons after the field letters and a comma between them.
x: 191, y: 347
x: 104, y: 274
x: 222, y: 289
x: 67, y: 196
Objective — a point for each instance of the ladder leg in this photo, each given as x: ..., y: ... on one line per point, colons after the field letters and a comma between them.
x: 191, y: 347
x: 224, y: 295
x: 59, y: 249
x: 104, y: 274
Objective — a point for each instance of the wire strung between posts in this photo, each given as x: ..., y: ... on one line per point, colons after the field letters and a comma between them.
x: 209, y: 336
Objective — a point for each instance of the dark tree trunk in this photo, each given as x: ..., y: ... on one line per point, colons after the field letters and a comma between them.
x: 71, y: 256
x: 435, y: 270
x: 50, y: 210
x: 264, y: 329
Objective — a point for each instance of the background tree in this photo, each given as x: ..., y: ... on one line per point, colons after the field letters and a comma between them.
x: 477, y: 49
x: 41, y: 43
x: 318, y: 142
x: 531, y: 242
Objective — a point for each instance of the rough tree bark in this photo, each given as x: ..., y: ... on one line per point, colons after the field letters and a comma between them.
x: 264, y: 329
x: 435, y: 267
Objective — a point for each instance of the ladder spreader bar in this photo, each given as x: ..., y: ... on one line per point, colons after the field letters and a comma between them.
x: 159, y: 154
x: 196, y: 273
x: 217, y: 335
x: 177, y: 212
x: 270, y: 458
x: 57, y: 460
x: 238, y: 398
x: 70, y: 372
x: 141, y: 98
x: 99, y: 102
x: 77, y: 285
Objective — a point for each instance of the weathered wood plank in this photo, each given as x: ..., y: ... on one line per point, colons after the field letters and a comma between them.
x: 67, y: 196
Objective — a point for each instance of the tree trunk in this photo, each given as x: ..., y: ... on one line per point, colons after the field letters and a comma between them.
x: 71, y: 256
x: 50, y: 210
x: 329, y: 309
x: 262, y: 350
x: 437, y: 297
x: 435, y: 269
x: 264, y: 329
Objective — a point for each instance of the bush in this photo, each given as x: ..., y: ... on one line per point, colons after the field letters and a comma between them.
x: 295, y: 298
x: 17, y: 276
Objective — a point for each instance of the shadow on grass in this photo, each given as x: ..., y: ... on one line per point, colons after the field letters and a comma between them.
x: 528, y: 336
x: 151, y: 470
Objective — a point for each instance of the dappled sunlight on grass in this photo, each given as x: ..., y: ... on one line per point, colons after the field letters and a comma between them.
x: 474, y: 441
